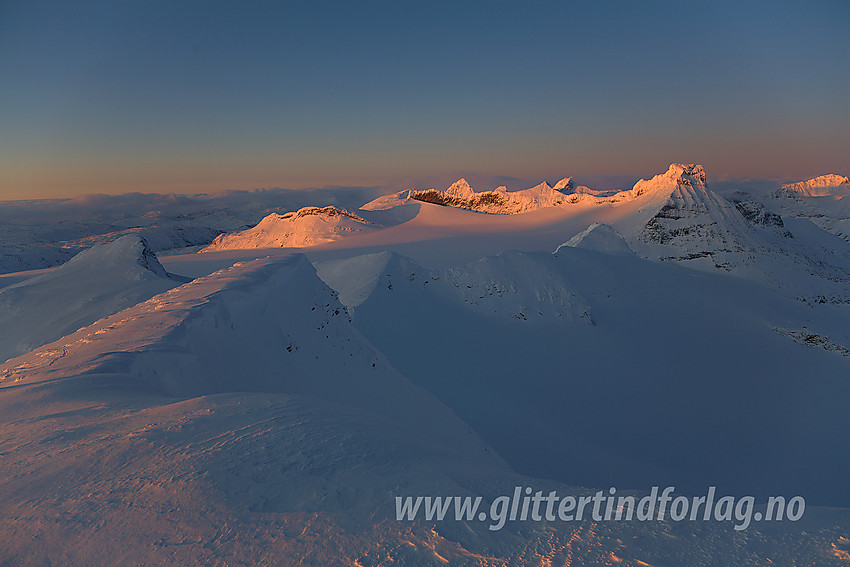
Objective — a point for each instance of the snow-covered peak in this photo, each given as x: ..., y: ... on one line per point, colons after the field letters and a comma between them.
x: 821, y: 186
x: 599, y: 238
x: 129, y: 255
x: 308, y: 226
x: 677, y: 174
x: 540, y: 188
x: 565, y: 185
x: 460, y: 188
x: 679, y: 170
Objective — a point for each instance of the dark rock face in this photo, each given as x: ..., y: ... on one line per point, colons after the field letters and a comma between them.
x: 755, y: 213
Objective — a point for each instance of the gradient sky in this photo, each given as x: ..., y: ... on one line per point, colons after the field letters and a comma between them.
x: 167, y: 96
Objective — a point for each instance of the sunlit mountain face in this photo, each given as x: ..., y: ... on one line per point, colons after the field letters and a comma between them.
x: 266, y: 378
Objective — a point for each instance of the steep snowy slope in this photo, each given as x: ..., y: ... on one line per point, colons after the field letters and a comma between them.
x: 95, y: 283
x: 306, y: 227
x: 697, y: 227
x: 654, y: 373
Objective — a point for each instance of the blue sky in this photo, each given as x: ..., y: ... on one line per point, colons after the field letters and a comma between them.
x: 204, y: 96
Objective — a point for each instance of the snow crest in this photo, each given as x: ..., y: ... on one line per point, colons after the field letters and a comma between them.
x: 599, y: 238
x: 95, y: 283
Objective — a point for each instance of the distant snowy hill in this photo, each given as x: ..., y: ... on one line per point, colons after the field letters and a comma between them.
x: 95, y: 283
x: 829, y: 185
x: 306, y: 227
x: 821, y: 200
x: 45, y: 233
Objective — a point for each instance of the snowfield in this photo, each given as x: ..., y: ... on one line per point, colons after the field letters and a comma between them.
x: 266, y: 401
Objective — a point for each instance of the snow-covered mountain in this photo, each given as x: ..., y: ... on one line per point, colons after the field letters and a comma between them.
x: 498, y: 201
x: 270, y: 410
x: 673, y: 217
x: 94, y: 284
x: 306, y: 227
x: 830, y: 185
x: 821, y: 200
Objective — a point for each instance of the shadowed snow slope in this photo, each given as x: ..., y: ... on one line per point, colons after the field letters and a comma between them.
x: 306, y: 227
x: 95, y: 283
x: 653, y: 373
x: 297, y: 435
x: 512, y: 285
x: 601, y: 238
x: 264, y: 326
x: 244, y: 418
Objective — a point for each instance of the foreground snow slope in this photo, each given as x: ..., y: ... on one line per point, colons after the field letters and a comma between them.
x: 97, y: 282
x: 232, y: 329
x: 242, y: 419
x: 597, y: 368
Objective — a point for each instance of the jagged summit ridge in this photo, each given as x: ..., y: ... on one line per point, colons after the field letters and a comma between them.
x: 498, y: 201
x: 677, y: 174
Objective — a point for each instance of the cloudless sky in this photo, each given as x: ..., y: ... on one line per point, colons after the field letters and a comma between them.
x: 155, y: 96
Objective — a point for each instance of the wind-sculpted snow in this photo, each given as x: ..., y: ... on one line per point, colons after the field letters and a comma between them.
x: 95, y: 283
